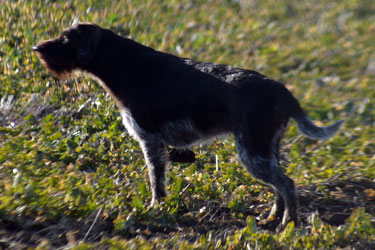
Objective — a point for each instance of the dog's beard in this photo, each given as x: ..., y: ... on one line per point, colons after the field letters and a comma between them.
x: 56, y: 70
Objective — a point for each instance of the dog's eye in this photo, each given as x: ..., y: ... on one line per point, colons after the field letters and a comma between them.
x: 65, y: 40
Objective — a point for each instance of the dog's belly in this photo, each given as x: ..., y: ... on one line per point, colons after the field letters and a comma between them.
x: 185, y: 134
x: 182, y: 133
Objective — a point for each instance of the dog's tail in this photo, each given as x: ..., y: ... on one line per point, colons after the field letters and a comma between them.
x: 291, y: 107
x: 308, y: 128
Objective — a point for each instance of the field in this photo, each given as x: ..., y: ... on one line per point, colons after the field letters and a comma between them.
x: 72, y: 178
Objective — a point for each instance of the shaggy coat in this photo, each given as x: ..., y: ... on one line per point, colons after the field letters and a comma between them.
x: 166, y: 101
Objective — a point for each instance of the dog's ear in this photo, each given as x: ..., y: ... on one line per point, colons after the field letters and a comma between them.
x: 90, y: 36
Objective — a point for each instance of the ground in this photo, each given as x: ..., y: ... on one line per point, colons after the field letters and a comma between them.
x: 333, y: 206
x: 71, y: 177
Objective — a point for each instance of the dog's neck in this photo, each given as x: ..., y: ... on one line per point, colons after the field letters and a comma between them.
x: 125, y: 59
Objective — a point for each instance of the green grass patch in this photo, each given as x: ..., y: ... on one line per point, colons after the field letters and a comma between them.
x: 70, y: 175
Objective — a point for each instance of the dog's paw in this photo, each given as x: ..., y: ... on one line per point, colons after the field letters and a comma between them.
x: 181, y: 155
x: 271, y: 223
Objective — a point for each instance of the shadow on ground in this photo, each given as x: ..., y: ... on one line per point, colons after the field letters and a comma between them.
x: 333, y: 201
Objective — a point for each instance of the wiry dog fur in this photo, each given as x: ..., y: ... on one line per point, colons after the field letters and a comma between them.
x: 170, y: 101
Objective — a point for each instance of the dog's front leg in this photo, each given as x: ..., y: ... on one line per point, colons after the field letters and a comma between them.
x: 155, y: 156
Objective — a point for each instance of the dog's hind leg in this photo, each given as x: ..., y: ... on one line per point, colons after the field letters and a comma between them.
x: 155, y: 155
x: 260, y: 160
x: 278, y: 207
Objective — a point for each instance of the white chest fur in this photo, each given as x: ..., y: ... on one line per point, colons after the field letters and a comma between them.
x: 130, y: 124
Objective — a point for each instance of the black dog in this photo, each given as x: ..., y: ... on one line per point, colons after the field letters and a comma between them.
x: 170, y: 101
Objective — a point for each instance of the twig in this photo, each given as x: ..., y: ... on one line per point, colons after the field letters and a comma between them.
x: 217, y: 163
x: 144, y: 167
x: 92, y: 225
x: 183, y: 191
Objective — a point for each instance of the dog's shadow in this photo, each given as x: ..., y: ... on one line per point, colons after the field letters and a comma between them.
x: 332, y: 201
x: 335, y: 200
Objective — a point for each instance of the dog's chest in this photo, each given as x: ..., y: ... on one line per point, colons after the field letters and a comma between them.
x: 130, y: 124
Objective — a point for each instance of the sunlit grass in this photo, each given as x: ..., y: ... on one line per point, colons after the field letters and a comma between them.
x: 64, y: 154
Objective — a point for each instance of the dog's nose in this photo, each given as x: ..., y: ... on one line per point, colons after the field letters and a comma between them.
x: 36, y: 48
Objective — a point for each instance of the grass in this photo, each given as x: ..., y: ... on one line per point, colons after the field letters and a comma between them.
x: 71, y: 177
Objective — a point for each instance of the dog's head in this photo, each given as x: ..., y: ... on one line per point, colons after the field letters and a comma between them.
x: 72, y: 50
